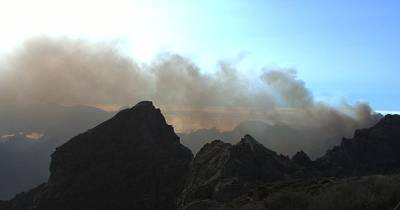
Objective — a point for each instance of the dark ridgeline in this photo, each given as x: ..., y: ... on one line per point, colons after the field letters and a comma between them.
x: 301, y: 158
x: 371, y: 151
x: 136, y: 161
x: 221, y: 171
x: 132, y: 161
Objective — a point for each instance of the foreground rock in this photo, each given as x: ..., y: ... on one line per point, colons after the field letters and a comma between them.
x: 132, y: 161
x: 373, y: 192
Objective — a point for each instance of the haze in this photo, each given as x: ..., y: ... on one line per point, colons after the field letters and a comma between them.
x: 297, y: 76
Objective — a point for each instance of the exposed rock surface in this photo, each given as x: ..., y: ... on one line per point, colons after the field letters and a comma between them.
x: 132, y: 161
x: 221, y: 172
x: 371, y: 151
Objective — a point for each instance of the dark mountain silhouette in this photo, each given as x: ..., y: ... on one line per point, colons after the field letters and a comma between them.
x: 301, y: 158
x: 281, y: 138
x: 136, y: 161
x: 371, y: 151
x: 20, y: 155
x: 221, y: 171
x: 241, y: 176
x: 132, y: 161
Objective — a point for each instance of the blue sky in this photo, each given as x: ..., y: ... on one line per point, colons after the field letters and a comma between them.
x: 346, y: 49
x: 340, y: 48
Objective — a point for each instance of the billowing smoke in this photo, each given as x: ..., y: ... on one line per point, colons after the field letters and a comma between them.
x: 66, y: 71
x: 69, y: 72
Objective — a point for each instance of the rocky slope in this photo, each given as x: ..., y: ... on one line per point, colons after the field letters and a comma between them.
x: 221, y: 172
x: 132, y: 161
x: 371, y: 151
x: 373, y: 192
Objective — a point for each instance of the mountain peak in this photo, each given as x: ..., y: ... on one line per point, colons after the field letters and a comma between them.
x: 132, y: 161
x: 142, y: 119
x: 301, y: 158
x: 143, y: 107
x: 249, y: 142
x: 145, y: 103
x: 253, y: 145
x: 221, y: 171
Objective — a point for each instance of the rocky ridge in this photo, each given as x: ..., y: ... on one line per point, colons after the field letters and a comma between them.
x: 132, y: 161
x: 374, y: 150
x: 221, y: 172
x: 135, y: 161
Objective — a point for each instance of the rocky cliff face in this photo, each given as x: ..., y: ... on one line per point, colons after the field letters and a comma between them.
x: 221, y: 172
x: 370, y: 151
x: 132, y: 161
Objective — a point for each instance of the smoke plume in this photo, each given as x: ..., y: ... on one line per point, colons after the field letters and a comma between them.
x: 65, y: 71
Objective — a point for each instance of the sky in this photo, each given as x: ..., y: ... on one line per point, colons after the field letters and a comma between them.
x: 343, y: 50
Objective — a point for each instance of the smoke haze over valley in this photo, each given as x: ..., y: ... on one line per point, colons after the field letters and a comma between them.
x: 74, y: 72
x: 132, y: 104
x: 47, y: 81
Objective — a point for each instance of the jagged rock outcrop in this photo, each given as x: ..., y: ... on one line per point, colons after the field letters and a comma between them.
x: 132, y: 161
x: 221, y: 172
x: 301, y: 158
x: 371, y: 151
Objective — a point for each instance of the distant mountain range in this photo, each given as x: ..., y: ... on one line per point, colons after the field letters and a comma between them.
x: 136, y: 161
